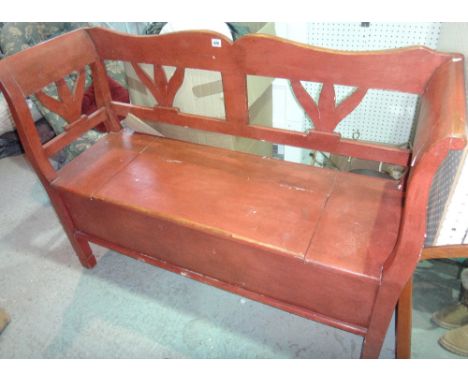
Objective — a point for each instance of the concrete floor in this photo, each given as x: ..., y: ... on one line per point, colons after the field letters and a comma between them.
x: 127, y: 309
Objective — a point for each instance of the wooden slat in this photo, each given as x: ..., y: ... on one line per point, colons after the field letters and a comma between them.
x: 313, y: 140
x: 163, y: 91
x: 103, y: 95
x: 326, y: 107
x: 79, y: 88
x: 349, y: 104
x: 172, y: 116
x: 74, y: 130
x: 327, y: 114
x: 52, y: 104
x: 64, y: 91
x: 307, y: 103
x: 159, y: 76
x: 69, y: 104
x: 173, y: 85
x: 235, y: 98
x: 155, y: 88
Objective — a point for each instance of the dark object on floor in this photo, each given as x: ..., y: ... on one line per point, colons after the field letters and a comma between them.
x: 10, y: 144
x: 4, y: 319
x: 46, y: 133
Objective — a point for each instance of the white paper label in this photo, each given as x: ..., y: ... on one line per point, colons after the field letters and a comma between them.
x: 216, y: 42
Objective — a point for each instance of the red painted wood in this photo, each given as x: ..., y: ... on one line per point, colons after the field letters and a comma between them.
x: 348, y: 105
x: 162, y: 90
x: 25, y: 126
x: 254, y: 211
x: 326, y: 107
x: 69, y: 104
x: 361, y: 235
x: 246, y: 265
x: 52, y: 60
x: 103, y: 96
x: 226, y: 286
x: 306, y: 101
x: 441, y: 127
x: 180, y: 49
x: 234, y: 64
x: 337, y: 248
x: 318, y: 140
x: 327, y: 114
x: 404, y: 322
x: 403, y: 69
x: 74, y: 130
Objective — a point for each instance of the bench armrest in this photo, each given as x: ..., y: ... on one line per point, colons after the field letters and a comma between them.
x: 441, y: 128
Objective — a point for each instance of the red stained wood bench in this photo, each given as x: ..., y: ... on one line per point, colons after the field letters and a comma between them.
x: 334, y: 247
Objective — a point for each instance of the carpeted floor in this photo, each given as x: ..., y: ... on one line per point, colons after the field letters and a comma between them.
x: 127, y: 309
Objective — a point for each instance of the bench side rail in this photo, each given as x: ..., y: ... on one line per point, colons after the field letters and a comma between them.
x: 405, y: 70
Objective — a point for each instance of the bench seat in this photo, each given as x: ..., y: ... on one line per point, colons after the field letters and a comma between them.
x: 289, y: 226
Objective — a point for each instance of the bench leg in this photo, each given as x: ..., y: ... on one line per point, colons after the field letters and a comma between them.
x: 373, y: 342
x: 404, y: 322
x: 84, y: 252
x: 79, y: 244
x: 379, y: 322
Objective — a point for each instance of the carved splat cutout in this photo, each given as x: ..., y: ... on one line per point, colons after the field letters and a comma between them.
x: 68, y: 104
x: 162, y: 89
x: 326, y: 114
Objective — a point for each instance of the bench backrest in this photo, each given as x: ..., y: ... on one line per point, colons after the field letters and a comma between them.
x: 405, y: 70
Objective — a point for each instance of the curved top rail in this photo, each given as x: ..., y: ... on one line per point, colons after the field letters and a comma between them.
x: 404, y: 69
